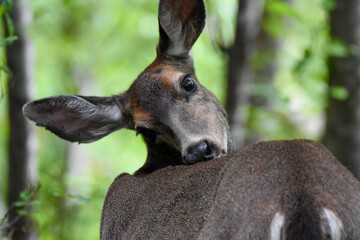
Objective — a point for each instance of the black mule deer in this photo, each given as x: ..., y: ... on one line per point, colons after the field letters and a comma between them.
x: 270, y: 190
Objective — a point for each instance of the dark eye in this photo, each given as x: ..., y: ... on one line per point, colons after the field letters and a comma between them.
x: 147, y: 133
x: 188, y: 84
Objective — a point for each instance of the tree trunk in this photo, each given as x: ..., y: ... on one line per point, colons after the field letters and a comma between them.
x: 21, y: 166
x: 267, y: 47
x: 264, y: 77
x: 342, y: 135
x: 240, y: 74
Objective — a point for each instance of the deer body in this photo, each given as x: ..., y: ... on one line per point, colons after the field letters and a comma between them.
x: 271, y: 190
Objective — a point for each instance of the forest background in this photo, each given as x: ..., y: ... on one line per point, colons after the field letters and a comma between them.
x: 284, y: 69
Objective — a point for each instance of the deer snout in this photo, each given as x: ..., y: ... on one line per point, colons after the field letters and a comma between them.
x: 201, y: 151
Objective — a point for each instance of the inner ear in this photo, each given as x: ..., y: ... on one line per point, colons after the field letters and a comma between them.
x: 180, y: 24
x: 77, y: 118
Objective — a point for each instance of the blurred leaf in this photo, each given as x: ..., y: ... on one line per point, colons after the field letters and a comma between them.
x: 6, y: 5
x: 329, y: 4
x: 283, y: 8
x: 299, y: 67
x: 60, y: 193
x: 25, y: 195
x: 20, y: 204
x: 339, y: 93
x: 7, y: 40
x: 5, y: 69
x: 9, y: 24
x: 80, y: 198
x: 338, y: 48
x: 22, y: 212
x: 35, y: 202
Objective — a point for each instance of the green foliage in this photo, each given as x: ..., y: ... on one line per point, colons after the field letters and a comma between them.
x: 338, y: 48
x: 301, y: 87
x: 10, y: 37
x: 7, y: 41
x: 25, y: 206
x: 26, y: 200
x: 339, y: 93
x: 5, y: 7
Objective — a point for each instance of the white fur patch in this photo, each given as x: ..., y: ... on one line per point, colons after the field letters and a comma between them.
x: 334, y: 224
x: 225, y: 142
x: 276, y: 226
x: 113, y: 113
x: 89, y: 110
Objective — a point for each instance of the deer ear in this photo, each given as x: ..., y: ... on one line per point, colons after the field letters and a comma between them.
x: 180, y: 24
x: 80, y: 119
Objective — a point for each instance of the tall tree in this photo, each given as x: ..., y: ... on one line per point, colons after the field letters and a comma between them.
x: 262, y: 97
x: 343, y: 115
x: 266, y: 46
x: 20, y: 63
x: 240, y: 74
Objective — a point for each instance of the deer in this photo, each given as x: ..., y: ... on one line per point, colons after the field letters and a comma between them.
x: 193, y: 185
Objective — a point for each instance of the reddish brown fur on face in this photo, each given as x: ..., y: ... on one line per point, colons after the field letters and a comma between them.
x: 165, y: 73
x: 139, y: 114
x: 160, y: 75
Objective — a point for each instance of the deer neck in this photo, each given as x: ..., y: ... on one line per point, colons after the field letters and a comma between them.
x: 159, y: 155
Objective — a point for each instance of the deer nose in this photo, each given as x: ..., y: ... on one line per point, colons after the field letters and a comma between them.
x: 201, y: 151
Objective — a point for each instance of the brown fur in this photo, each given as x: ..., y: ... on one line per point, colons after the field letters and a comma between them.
x: 236, y: 197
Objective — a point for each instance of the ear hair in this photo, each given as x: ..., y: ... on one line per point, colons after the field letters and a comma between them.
x: 180, y: 23
x: 77, y: 118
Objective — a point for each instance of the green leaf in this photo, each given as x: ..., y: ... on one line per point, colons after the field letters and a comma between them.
x: 5, y: 69
x: 339, y: 93
x: 20, y: 204
x: 22, y: 212
x: 82, y: 199
x: 35, y: 203
x: 8, y: 40
x: 25, y: 195
x: 338, y: 48
x: 58, y: 193
x: 9, y: 24
x: 329, y: 4
x: 7, y: 5
x: 284, y: 9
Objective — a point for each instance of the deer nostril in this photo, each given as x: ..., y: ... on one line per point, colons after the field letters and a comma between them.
x: 205, y: 151
x: 199, y: 152
x: 203, y: 147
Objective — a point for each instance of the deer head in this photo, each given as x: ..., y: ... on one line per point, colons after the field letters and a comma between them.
x: 180, y: 120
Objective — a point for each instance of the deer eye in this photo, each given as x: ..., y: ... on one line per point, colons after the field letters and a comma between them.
x: 188, y: 84
x: 147, y: 133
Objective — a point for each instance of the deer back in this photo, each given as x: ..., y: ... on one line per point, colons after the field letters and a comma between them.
x: 270, y: 190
